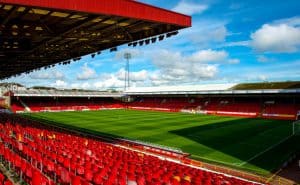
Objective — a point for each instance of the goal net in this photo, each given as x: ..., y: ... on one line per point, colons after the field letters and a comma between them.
x: 296, y: 128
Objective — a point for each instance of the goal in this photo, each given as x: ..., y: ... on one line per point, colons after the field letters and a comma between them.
x: 296, y: 127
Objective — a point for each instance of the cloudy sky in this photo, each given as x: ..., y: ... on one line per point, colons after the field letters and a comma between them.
x: 230, y: 41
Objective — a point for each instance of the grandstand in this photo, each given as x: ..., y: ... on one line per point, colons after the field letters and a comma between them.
x: 281, y: 104
x: 227, y: 99
x: 64, y: 157
x: 221, y: 134
x: 73, y: 29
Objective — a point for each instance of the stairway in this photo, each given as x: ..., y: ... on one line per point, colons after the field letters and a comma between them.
x: 27, y: 109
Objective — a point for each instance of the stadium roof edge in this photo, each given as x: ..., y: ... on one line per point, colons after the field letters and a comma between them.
x: 200, y: 87
x: 111, y: 7
x: 39, y: 34
x: 116, y: 95
x: 219, y: 92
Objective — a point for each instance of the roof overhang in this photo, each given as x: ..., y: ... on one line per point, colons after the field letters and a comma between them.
x: 41, y: 33
x: 28, y: 93
x: 61, y: 93
x: 218, y: 92
x: 86, y: 95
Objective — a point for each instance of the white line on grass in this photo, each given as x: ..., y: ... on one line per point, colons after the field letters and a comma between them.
x: 266, y: 150
x: 217, y: 161
x: 250, y: 159
x: 213, y: 160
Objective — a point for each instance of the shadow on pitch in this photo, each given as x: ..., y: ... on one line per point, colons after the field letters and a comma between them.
x: 242, y: 139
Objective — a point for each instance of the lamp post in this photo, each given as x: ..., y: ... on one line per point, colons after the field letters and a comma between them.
x: 127, y: 56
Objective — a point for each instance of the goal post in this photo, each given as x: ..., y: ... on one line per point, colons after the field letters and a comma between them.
x: 296, y: 127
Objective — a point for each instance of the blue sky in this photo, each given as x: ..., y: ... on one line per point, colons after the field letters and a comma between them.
x: 231, y: 41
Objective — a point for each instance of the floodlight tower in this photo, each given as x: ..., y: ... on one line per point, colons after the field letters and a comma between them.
x: 127, y: 56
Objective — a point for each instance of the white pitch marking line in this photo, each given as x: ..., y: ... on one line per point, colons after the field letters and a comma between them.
x: 269, y: 148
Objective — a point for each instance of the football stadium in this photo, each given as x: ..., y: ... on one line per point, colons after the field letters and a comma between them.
x: 197, y: 134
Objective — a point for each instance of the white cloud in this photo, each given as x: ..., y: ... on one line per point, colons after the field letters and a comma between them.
x: 174, y: 68
x: 87, y: 73
x: 84, y: 85
x: 134, y: 76
x: 292, y: 21
x: 208, y: 56
x: 210, y: 34
x: 157, y: 80
x: 233, y: 61
x: 237, y: 43
x: 119, y: 75
x: 75, y: 85
x: 264, y: 59
x: 60, y: 84
x: 96, y: 63
x: 279, y: 37
x: 206, y: 32
x: 257, y: 77
x: 47, y: 75
x: 116, y: 80
x: 139, y: 76
x: 190, y: 8
x: 262, y: 77
x: 219, y: 34
x: 109, y: 81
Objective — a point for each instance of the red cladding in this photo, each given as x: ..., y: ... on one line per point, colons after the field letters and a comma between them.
x: 124, y: 8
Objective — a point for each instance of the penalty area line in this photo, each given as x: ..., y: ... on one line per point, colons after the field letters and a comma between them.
x: 266, y: 150
x: 237, y: 164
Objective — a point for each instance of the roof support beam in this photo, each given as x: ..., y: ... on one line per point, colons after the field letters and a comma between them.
x: 9, y: 15
x: 80, y: 24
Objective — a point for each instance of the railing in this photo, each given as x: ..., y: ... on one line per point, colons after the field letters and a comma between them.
x: 162, y: 147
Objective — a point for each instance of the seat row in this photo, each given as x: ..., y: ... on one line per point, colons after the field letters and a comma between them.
x: 43, y: 155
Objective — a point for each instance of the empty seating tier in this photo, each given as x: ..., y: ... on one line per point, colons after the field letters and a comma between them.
x: 43, y: 155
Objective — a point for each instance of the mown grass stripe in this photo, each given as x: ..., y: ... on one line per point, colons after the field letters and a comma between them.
x: 227, y: 140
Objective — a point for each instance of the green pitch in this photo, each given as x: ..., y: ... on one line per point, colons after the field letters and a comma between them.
x: 236, y: 142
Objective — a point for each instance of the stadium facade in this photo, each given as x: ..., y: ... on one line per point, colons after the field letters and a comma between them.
x: 209, y: 99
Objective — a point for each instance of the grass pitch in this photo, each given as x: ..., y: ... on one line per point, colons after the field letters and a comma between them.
x: 248, y: 144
